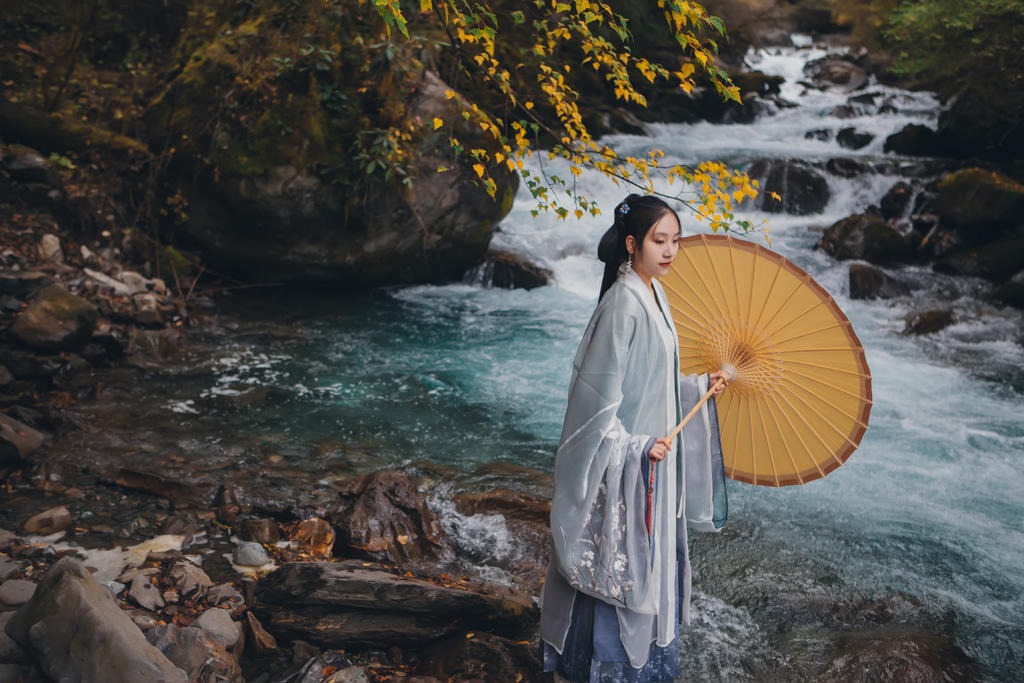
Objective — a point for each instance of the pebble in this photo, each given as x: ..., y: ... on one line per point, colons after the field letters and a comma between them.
x: 16, y: 592
x: 249, y: 554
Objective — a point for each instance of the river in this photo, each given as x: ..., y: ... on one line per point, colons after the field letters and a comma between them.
x: 929, y: 509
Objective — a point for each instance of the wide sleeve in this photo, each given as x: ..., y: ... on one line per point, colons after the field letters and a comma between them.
x: 597, y: 510
x: 703, y: 471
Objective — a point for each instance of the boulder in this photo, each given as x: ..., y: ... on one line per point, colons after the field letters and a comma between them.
x: 75, y: 632
x: 803, y: 189
x: 928, y: 322
x: 509, y: 270
x: 367, y: 605
x: 997, y: 261
x: 866, y: 236
x: 384, y: 517
x: 55, y: 319
x: 983, y: 122
x: 895, y: 202
x: 302, y: 188
x: 898, y: 654
x: 868, y: 282
x: 979, y: 204
x: 836, y: 70
x: 845, y: 167
x: 851, y: 138
x: 914, y: 139
x: 1011, y: 292
x: 219, y: 625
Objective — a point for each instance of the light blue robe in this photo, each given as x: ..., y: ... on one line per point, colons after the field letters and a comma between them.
x: 625, y: 389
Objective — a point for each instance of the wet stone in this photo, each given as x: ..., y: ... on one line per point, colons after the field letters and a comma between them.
x: 260, y: 530
x: 49, y: 521
x: 188, y: 579
x: 224, y: 594
x: 217, y: 623
x: 16, y: 592
x: 249, y: 554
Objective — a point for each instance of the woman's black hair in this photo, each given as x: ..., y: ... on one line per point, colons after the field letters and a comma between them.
x: 635, y: 216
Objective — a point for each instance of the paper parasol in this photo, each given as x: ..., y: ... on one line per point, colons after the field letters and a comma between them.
x: 800, y: 399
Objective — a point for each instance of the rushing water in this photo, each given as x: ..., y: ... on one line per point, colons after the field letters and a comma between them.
x: 931, y: 505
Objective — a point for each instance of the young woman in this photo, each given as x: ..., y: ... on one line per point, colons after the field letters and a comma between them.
x: 619, y: 581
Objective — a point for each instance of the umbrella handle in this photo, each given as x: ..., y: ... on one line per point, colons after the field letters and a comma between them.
x: 693, y: 411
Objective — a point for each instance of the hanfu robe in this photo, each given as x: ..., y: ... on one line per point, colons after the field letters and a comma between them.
x: 626, y: 389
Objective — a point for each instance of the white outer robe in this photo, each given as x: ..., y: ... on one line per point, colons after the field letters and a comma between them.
x: 625, y: 389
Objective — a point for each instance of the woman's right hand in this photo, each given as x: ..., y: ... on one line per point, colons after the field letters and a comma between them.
x: 660, y: 449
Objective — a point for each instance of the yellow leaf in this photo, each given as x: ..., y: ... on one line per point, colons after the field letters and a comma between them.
x: 479, y: 168
x: 438, y: 123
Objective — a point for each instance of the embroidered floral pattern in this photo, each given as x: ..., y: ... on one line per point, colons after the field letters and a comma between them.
x: 603, y: 566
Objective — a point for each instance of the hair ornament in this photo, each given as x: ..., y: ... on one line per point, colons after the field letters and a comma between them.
x: 623, y: 209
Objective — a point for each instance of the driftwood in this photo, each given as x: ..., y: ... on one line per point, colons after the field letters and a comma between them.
x: 27, y: 125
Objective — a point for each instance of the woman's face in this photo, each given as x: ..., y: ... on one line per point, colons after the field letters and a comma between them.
x: 658, y: 250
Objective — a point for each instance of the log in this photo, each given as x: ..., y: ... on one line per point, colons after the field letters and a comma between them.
x: 27, y: 125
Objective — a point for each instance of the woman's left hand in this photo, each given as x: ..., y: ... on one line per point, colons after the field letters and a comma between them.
x: 721, y: 387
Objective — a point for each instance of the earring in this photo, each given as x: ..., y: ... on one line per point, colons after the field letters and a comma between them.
x: 629, y: 262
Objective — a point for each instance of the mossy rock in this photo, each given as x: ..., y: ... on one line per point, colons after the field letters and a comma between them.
x: 867, y: 236
x: 980, y: 204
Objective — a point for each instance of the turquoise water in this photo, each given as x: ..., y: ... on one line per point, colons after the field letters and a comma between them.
x: 931, y: 505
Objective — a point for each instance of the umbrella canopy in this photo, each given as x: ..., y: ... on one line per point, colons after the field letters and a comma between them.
x: 800, y: 399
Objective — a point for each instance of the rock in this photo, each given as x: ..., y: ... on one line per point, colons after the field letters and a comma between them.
x: 980, y: 204
x: 7, y: 539
x: 224, y: 593
x: 220, y: 627
x: 318, y: 668
x: 260, y: 530
x: 997, y: 261
x: 868, y: 282
x: 851, y: 138
x: 895, y: 202
x: 17, y: 440
x: 147, y: 310
x: 249, y: 554
x: 866, y: 236
x: 1011, y: 292
x: 482, y: 657
x: 821, y: 134
x: 118, y: 288
x: 836, y: 70
x: 360, y: 605
x: 899, y: 655
x: 510, y: 504
x: 8, y: 568
x: 188, y: 579
x: 509, y: 271
x: 194, y: 651
x: 26, y: 165
x: 6, y: 377
x: 314, y: 537
x: 55, y: 320
x: 383, y: 517
x: 928, y: 322
x: 846, y: 168
x: 75, y: 632
x: 15, y: 593
x: 22, y: 283
x: 49, y: 521
x: 258, y: 641
x: 145, y: 594
x: 275, y: 206
x: 135, y: 282
x: 983, y: 122
x: 10, y: 652
x: 803, y: 190
x: 914, y: 139
x: 50, y: 249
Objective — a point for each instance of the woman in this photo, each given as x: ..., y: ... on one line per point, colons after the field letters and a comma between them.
x: 618, y: 584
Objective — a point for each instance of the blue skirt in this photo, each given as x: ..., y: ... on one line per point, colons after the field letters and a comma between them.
x: 593, y: 652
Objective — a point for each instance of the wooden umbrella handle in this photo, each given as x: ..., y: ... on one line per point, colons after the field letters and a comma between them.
x: 693, y: 411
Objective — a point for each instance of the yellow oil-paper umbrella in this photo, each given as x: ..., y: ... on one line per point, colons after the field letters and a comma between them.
x: 800, y: 390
